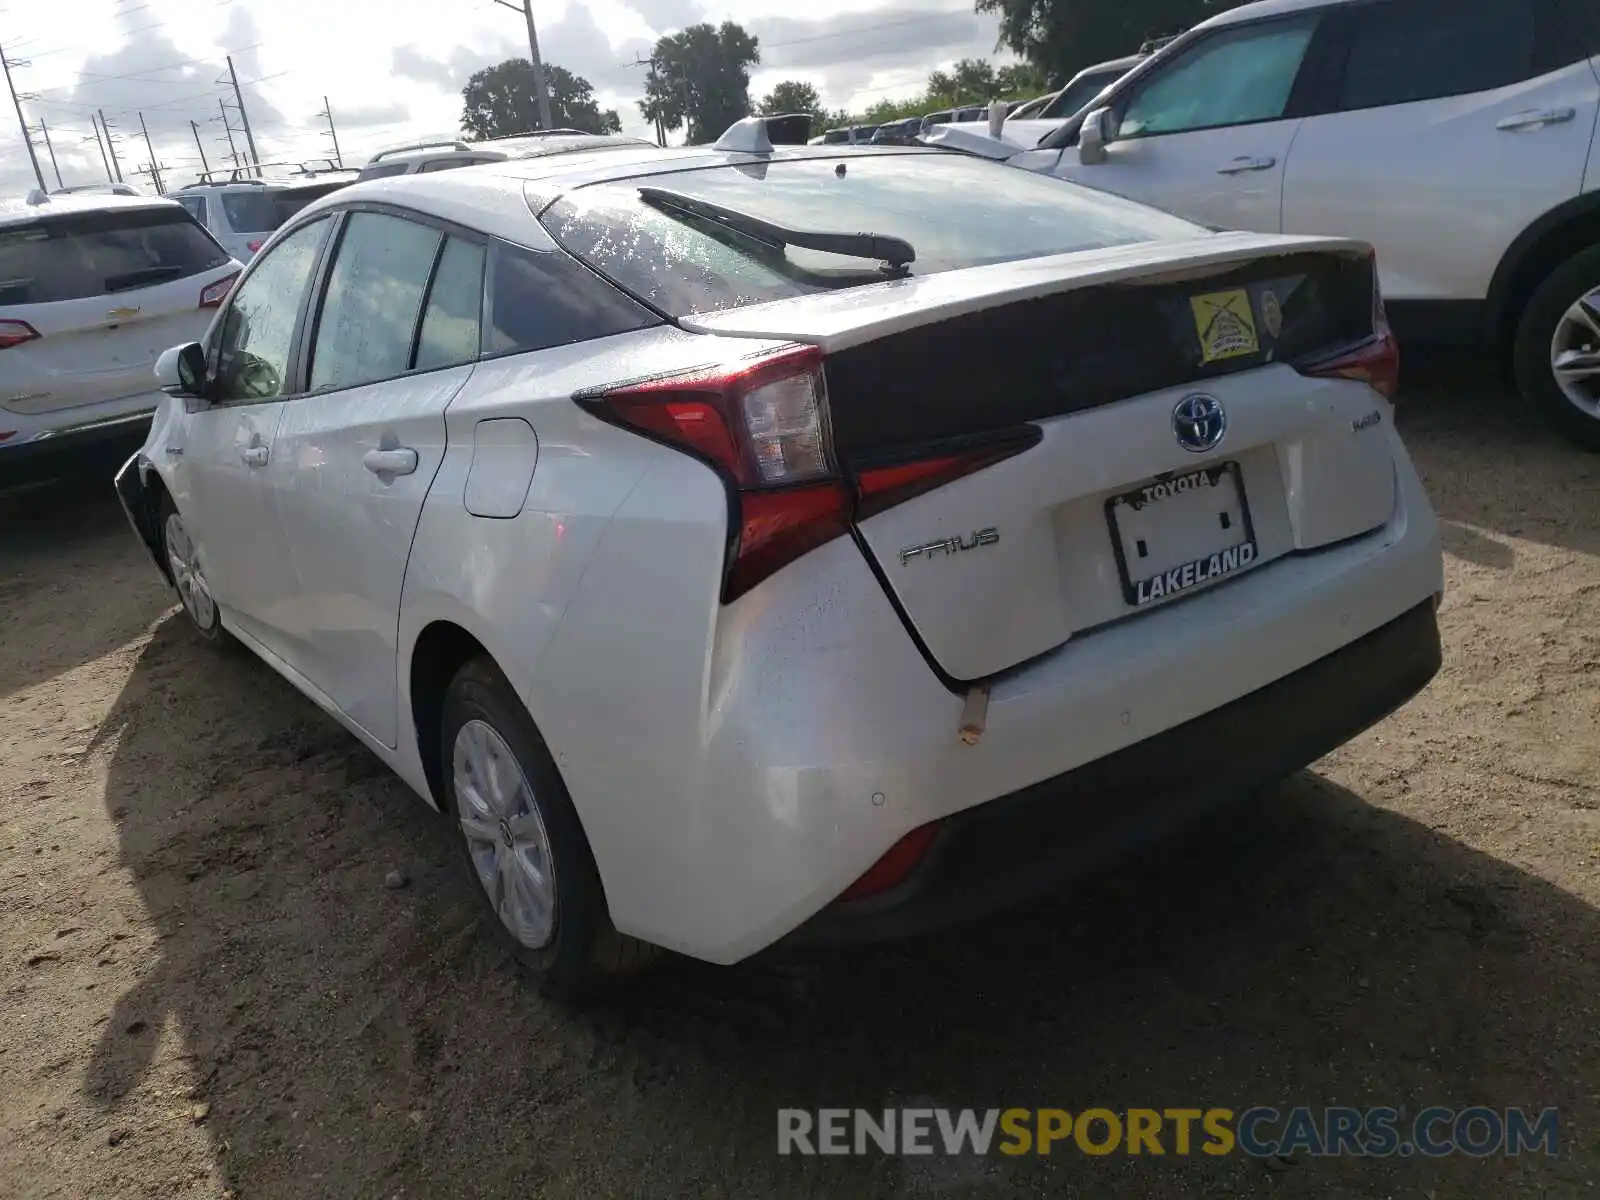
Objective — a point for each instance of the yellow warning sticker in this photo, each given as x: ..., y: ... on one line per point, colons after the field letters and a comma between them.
x: 1226, y: 325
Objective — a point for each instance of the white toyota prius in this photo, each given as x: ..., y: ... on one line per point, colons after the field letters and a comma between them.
x: 744, y: 544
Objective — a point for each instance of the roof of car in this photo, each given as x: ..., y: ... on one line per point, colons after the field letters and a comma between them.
x: 1264, y: 8
x: 495, y: 197
x: 17, y: 210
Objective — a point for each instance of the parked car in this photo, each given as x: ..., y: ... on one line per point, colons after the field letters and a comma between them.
x: 1462, y: 140
x: 445, y: 156
x: 92, y: 287
x: 1028, y: 124
x: 242, y: 212
x: 826, y: 550
x: 897, y: 133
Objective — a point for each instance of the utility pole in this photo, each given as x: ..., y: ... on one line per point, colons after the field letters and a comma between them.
x: 110, y: 145
x: 205, y: 167
x: 7, y: 64
x: 45, y: 129
x: 327, y: 111
x: 155, y: 167
x: 541, y: 90
x: 244, y: 117
x: 233, y: 150
x: 101, y: 146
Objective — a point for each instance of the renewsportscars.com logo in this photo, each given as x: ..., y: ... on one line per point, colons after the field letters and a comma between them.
x: 1259, y: 1132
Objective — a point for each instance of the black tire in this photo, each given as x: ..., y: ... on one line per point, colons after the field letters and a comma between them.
x: 1536, y: 332
x: 583, y: 949
x: 204, y: 620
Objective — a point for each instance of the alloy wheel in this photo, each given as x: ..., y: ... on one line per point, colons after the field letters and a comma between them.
x: 1575, y: 354
x: 187, y: 576
x: 505, y: 834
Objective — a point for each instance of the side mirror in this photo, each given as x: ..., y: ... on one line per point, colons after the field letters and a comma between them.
x: 181, y: 371
x: 1093, y: 137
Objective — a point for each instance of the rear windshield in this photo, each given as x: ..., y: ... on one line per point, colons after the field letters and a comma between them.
x: 955, y: 211
x: 101, y: 253
x: 255, y: 211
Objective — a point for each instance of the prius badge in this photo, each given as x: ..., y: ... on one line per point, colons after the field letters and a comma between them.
x: 952, y: 545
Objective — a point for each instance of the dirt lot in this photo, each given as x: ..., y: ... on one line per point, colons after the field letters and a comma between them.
x: 209, y: 990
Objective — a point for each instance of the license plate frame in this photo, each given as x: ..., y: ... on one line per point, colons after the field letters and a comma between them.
x: 1191, y: 574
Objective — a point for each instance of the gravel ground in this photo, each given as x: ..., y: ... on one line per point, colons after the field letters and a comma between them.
x: 210, y: 991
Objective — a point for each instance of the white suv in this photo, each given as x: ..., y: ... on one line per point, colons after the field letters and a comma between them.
x: 728, y: 573
x: 1461, y: 139
x: 92, y: 289
x: 242, y: 213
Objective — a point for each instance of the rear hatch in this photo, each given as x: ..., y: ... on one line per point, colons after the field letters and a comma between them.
x: 88, y: 300
x: 1027, y: 445
x: 1025, y: 465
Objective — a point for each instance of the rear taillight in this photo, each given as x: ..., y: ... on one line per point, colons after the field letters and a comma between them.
x: 1375, y: 361
x: 762, y: 422
x: 255, y: 245
x: 14, y: 333
x: 214, y: 294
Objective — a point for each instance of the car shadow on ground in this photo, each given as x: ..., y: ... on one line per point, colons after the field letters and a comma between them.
x: 53, y: 538
x: 351, y: 1039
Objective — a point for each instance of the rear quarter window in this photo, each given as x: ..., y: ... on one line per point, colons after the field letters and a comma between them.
x: 102, y: 253
x: 542, y: 298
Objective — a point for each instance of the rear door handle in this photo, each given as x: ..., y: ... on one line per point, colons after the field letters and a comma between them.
x: 1536, y: 118
x: 254, y: 456
x: 402, y: 460
x: 1246, y: 163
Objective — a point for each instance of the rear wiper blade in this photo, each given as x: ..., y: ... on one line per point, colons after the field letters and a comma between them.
x: 897, y: 252
x: 140, y: 278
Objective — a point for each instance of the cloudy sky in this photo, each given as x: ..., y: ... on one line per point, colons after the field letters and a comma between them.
x: 393, y: 69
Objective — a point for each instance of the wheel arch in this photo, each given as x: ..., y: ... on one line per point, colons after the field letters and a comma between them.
x: 441, y: 649
x: 144, y: 507
x: 1565, y: 230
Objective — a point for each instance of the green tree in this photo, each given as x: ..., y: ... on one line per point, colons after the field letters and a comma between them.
x: 1021, y: 81
x: 795, y: 96
x: 974, y: 81
x: 499, y: 101
x: 700, y: 76
x: 1061, y: 37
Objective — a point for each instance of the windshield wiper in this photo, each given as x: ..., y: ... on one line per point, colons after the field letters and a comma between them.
x: 141, y: 278
x: 895, y: 252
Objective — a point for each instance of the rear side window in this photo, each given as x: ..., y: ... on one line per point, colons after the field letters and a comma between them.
x: 446, y: 164
x: 450, y: 324
x: 254, y: 211
x: 955, y: 211
x: 102, y: 253
x: 1402, y: 51
x: 374, y: 297
x: 539, y: 299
